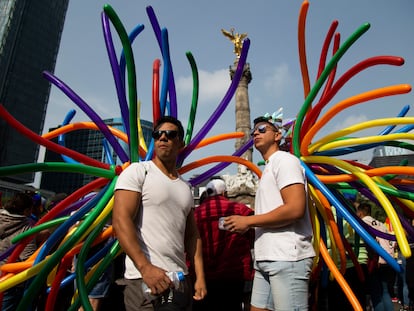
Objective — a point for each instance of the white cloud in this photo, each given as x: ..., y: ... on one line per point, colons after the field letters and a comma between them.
x: 278, y: 80
x: 212, y: 85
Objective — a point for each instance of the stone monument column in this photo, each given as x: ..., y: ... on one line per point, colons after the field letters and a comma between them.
x: 242, y: 109
x: 241, y: 187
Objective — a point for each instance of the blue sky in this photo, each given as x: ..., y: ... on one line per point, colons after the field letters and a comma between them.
x: 272, y: 28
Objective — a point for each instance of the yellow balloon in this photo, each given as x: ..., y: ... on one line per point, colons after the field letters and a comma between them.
x: 408, y: 203
x: 358, y: 127
x: 141, y: 139
x: 100, y: 218
x: 365, y: 140
x: 316, y: 226
x: 22, y: 276
x: 386, y: 204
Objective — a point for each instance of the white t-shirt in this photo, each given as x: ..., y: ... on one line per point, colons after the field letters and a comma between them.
x: 161, y: 222
x: 291, y: 242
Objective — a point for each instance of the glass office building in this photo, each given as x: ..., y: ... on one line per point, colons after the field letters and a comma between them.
x: 30, y: 32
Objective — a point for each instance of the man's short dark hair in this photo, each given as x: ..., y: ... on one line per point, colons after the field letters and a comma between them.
x: 262, y: 119
x: 170, y: 119
x: 365, y: 208
x: 19, y: 203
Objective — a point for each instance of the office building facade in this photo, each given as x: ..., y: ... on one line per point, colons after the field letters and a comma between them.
x: 30, y: 33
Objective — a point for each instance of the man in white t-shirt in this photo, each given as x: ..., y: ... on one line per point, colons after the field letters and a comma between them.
x: 283, y: 232
x: 153, y: 218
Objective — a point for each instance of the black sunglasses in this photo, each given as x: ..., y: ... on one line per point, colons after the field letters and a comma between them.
x: 170, y: 134
x: 261, y: 129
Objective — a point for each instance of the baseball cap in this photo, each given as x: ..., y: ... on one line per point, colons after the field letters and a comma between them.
x: 270, y: 121
x: 216, y: 187
x: 274, y: 119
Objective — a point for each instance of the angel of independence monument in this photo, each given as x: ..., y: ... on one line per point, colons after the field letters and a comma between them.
x: 242, y: 186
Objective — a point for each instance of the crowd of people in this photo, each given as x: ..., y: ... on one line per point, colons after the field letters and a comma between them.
x: 376, y: 285
x: 232, y: 257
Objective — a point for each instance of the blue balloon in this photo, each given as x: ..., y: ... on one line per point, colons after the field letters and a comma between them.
x: 350, y: 219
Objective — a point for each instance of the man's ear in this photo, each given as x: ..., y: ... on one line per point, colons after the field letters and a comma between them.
x: 278, y: 136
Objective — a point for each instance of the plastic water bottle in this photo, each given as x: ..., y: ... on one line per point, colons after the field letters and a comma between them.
x: 175, y: 276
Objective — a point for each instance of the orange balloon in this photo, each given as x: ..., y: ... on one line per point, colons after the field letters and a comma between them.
x: 353, y: 100
x: 223, y: 158
x: 339, y: 277
x: 92, y: 126
x: 219, y: 137
x: 334, y: 227
x: 380, y: 171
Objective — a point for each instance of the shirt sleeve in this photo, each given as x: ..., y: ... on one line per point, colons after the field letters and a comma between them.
x: 289, y: 172
x: 132, y: 178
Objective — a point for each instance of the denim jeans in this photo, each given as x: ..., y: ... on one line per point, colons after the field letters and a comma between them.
x: 282, y: 285
x: 12, y: 297
x: 380, y: 282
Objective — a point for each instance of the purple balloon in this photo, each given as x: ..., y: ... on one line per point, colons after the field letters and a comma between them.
x: 7, y: 252
x: 166, y: 72
x: 92, y: 114
x: 120, y: 86
x: 222, y: 106
x: 171, y: 82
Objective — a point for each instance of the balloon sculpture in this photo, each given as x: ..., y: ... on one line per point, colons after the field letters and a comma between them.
x: 79, y: 220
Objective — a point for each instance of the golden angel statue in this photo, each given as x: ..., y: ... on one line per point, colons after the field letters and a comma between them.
x: 236, y: 38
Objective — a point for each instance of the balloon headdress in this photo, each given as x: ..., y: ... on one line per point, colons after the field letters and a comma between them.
x: 274, y: 119
x: 284, y: 126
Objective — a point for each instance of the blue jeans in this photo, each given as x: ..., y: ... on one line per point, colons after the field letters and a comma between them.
x: 402, y: 285
x: 12, y: 297
x: 380, y: 281
x: 281, y: 285
x: 102, y: 286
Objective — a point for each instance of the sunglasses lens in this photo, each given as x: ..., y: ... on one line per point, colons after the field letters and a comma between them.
x: 261, y: 129
x: 156, y: 134
x: 170, y: 134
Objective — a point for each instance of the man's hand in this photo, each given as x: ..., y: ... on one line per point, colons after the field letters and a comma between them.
x: 236, y: 223
x: 200, y: 289
x: 155, y: 278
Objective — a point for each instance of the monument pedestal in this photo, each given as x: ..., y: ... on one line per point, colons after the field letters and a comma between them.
x: 242, y: 186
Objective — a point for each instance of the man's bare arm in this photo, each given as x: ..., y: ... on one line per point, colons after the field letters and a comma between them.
x: 126, y: 206
x: 193, y: 247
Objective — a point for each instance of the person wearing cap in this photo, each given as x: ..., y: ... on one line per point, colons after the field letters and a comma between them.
x: 283, y: 232
x: 226, y: 255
